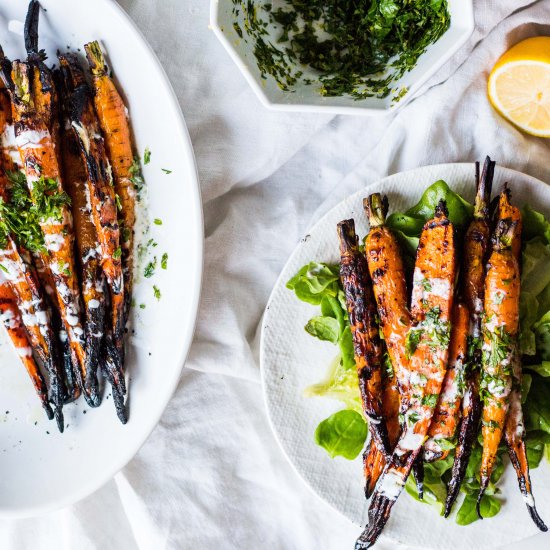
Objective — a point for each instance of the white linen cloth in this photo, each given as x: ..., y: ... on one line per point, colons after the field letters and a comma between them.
x: 211, y: 474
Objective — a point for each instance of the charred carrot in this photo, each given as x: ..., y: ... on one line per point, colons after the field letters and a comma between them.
x: 475, y: 249
x: 113, y: 118
x: 447, y: 413
x: 369, y: 353
x: 11, y: 318
x: 374, y: 461
x: 89, y: 254
x: 514, y: 432
x: 500, y: 329
x: 428, y: 343
x: 390, y: 289
x: 39, y: 155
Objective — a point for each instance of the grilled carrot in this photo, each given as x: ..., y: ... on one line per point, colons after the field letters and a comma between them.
x: 22, y: 279
x: 89, y: 257
x: 361, y: 307
x: 475, y: 249
x: 11, y: 318
x: 428, y: 342
x: 500, y: 329
x: 374, y: 461
x: 113, y: 118
x: 99, y: 186
x: 514, y: 432
x: 390, y: 288
x: 39, y: 155
x: 447, y: 413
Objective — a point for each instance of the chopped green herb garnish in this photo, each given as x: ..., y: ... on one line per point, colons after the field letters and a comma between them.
x: 3, y: 268
x: 118, y: 203
x: 146, y: 156
x: 360, y: 49
x: 430, y: 400
x: 157, y: 221
x: 149, y: 270
x: 164, y: 261
x: 136, y: 176
x: 142, y: 306
x: 156, y: 292
x: 166, y: 171
x: 117, y: 253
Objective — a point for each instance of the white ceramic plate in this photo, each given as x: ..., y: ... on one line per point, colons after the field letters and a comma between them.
x: 41, y: 469
x: 291, y: 360
x: 307, y: 98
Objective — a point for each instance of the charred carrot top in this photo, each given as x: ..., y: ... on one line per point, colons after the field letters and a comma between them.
x: 39, y: 156
x: 390, y: 289
x: 368, y: 348
x: 475, y: 248
x: 500, y: 328
x: 447, y: 413
x: 428, y: 345
x: 113, y: 118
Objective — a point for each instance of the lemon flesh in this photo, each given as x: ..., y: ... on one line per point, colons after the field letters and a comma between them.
x: 519, y: 86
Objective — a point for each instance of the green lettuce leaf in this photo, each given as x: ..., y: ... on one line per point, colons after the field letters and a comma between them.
x: 534, y: 224
x: 342, y: 434
x: 490, y: 506
x: 341, y: 383
x: 314, y: 281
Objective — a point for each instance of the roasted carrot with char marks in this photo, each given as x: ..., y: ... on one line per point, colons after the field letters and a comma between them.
x: 475, y: 250
x: 88, y: 253
x: 499, y: 333
x: 368, y: 349
x: 99, y: 185
x: 428, y: 343
x: 113, y: 118
x: 514, y: 432
x: 390, y: 288
x: 39, y: 155
x: 374, y: 461
x: 447, y: 413
x: 11, y: 318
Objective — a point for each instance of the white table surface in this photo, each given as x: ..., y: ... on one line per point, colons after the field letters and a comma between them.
x: 211, y: 475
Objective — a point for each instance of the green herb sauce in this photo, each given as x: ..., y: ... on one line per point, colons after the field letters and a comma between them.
x: 358, y: 48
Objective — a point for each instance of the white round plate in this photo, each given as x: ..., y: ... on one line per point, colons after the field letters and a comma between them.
x: 291, y: 360
x: 41, y: 469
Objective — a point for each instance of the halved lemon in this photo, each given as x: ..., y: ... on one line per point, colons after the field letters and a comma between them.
x: 519, y: 86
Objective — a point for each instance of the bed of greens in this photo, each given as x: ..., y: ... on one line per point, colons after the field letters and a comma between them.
x: 345, y: 432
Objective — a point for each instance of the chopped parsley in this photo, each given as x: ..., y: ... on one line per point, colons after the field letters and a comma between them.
x: 157, y: 221
x: 4, y: 268
x: 164, y: 264
x: 360, y: 49
x: 149, y: 270
x: 117, y: 253
x: 430, y: 400
x: 118, y: 203
x: 136, y: 176
x: 142, y: 306
x: 146, y: 156
x: 23, y: 214
x: 166, y: 171
x: 156, y: 292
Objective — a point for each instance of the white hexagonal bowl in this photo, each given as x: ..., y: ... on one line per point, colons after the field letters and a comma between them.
x: 306, y: 98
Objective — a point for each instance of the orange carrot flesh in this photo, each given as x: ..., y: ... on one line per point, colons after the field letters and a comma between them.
x: 390, y: 289
x: 11, y: 318
x: 39, y: 157
x: 500, y: 329
x: 432, y: 302
x: 113, y: 118
x: 447, y: 413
